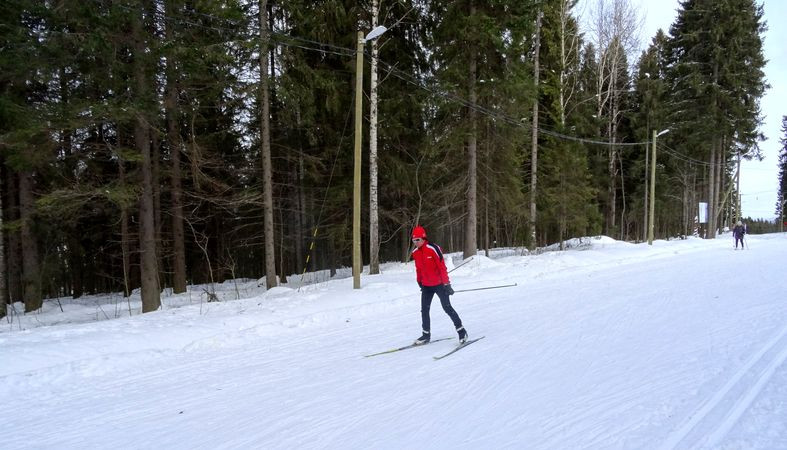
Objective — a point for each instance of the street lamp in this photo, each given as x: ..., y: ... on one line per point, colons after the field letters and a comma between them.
x: 653, y: 186
x: 357, y: 261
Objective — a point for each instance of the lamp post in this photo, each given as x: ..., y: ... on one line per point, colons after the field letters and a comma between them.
x: 357, y: 261
x: 653, y: 186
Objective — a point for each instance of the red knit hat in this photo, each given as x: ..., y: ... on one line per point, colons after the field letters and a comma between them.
x: 419, y: 232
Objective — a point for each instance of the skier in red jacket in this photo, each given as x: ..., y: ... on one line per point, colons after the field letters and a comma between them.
x: 433, y: 279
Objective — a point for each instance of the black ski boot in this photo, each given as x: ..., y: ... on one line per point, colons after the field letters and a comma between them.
x: 424, y: 339
x: 462, y: 334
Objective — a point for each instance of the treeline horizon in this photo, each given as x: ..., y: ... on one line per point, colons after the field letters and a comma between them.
x: 160, y: 143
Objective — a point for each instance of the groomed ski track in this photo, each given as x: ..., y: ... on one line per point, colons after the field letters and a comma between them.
x: 685, y: 348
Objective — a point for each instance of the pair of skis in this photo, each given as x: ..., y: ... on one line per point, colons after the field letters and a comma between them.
x: 456, y: 349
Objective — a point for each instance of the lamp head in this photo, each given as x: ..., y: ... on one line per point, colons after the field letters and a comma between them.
x: 375, y: 33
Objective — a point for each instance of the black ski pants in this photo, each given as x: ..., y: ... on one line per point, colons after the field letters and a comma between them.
x: 427, y: 293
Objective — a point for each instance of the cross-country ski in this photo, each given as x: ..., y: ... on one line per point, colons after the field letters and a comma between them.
x: 459, y: 347
x: 406, y: 347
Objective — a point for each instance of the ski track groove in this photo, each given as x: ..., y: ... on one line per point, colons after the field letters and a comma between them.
x: 709, y: 424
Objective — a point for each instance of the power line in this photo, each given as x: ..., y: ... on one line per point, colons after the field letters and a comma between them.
x: 497, y: 115
x: 762, y: 192
x: 674, y: 153
x: 344, y: 51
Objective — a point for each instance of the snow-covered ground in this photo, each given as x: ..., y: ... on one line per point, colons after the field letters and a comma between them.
x: 682, y: 344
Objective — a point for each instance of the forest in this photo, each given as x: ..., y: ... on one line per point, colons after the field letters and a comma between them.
x: 152, y: 144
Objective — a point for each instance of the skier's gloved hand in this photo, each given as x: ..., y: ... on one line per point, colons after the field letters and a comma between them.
x: 420, y: 286
x: 448, y: 289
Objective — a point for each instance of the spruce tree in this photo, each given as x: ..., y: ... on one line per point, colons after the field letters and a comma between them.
x: 566, y: 204
x: 715, y: 74
x: 478, y: 52
x: 649, y: 112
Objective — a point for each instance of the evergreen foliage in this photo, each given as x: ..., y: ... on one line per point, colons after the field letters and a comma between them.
x: 715, y: 77
x: 107, y: 104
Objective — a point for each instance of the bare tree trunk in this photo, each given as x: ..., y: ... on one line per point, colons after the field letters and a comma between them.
x: 31, y: 276
x: 534, y: 143
x: 155, y: 157
x: 712, y: 193
x: 686, y: 209
x: 569, y: 55
x: 374, y: 232
x: 612, y: 198
x: 719, y: 184
x: 615, y: 32
x: 487, y: 194
x: 157, y: 221
x: 175, y: 148
x: 14, y: 253
x: 3, y: 284
x: 282, y: 253
x: 124, y: 235
x: 299, y: 235
x: 178, y: 232
x: 267, y: 177
x: 151, y: 294
x: 471, y: 219
x: 404, y: 238
x: 486, y: 216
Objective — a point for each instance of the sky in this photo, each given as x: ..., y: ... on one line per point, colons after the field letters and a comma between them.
x: 759, y: 179
x: 590, y: 349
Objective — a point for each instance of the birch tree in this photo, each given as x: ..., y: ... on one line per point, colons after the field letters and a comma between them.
x: 534, y: 142
x: 614, y: 30
x: 374, y: 231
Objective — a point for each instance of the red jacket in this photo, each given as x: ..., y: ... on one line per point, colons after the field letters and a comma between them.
x: 429, y: 265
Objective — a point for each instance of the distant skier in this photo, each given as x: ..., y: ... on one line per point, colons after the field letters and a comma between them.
x: 432, y: 277
x: 738, y: 232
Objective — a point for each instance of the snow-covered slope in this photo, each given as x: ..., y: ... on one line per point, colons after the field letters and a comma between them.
x: 607, y: 345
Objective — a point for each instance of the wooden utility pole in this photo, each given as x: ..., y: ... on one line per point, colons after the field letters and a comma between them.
x: 652, y: 208
x: 357, y: 262
x: 652, y: 214
x: 471, y: 219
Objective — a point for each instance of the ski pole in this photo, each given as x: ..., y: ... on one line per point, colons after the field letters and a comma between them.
x: 483, y: 288
x: 460, y: 265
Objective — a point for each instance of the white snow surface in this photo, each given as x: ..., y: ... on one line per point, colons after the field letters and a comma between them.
x: 607, y: 345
